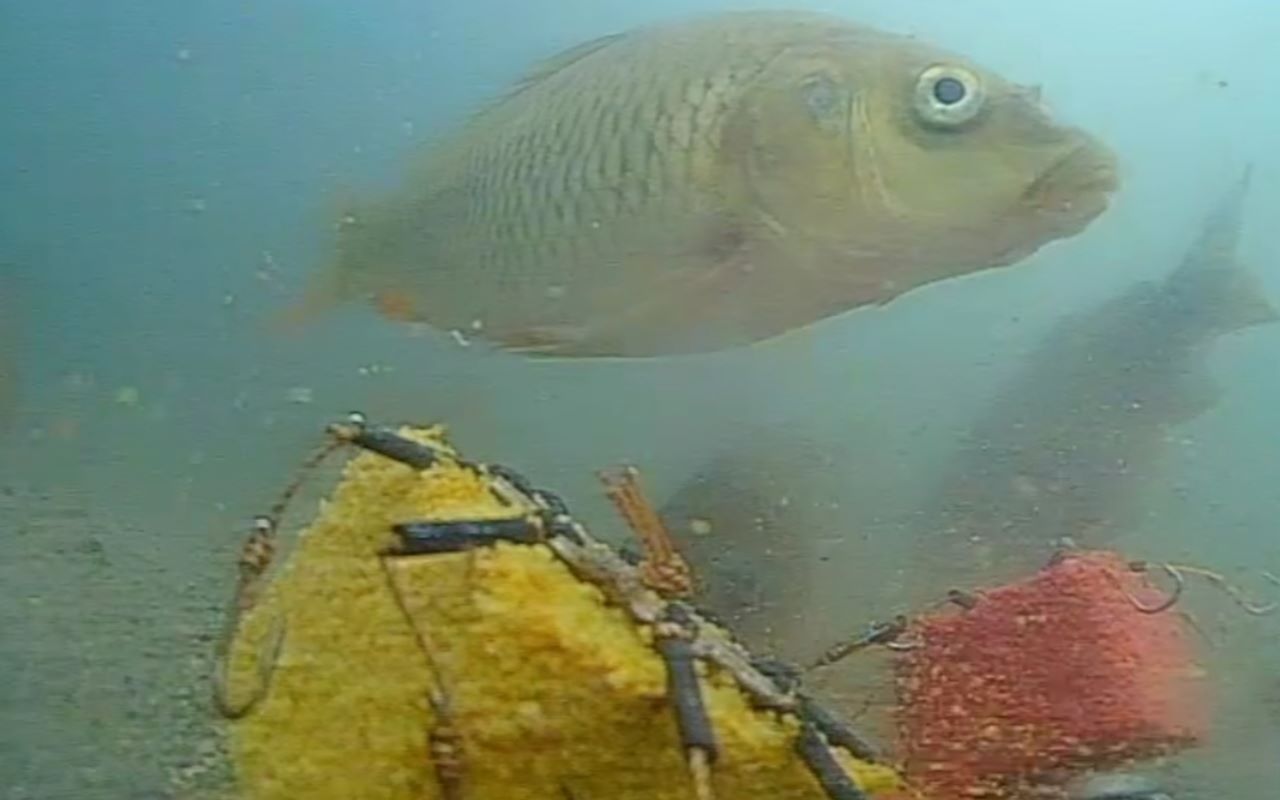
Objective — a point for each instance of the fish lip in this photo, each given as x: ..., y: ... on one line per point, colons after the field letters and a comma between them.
x: 1078, y: 186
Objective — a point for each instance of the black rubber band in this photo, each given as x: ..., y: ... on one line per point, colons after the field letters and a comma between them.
x: 421, y: 538
x: 838, y: 732
x: 682, y: 685
x: 823, y: 765
x: 387, y: 443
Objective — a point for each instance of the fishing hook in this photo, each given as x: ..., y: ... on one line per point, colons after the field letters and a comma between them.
x: 1220, y: 581
x: 256, y: 556
x: 1168, y: 602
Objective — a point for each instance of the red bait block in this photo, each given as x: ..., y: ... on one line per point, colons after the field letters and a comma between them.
x: 1057, y: 672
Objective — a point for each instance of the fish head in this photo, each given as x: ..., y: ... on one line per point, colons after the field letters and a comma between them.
x: 914, y: 161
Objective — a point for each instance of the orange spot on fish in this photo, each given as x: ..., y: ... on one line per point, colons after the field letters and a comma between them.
x: 395, y: 305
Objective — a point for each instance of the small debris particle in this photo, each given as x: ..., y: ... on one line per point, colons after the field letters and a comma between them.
x: 699, y: 526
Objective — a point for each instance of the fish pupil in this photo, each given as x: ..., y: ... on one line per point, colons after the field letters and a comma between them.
x: 949, y: 91
x: 821, y: 95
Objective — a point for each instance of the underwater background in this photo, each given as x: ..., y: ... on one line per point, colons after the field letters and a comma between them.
x: 170, y: 175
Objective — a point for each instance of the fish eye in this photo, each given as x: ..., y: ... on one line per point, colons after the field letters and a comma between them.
x: 948, y: 96
x: 821, y: 95
x: 949, y: 91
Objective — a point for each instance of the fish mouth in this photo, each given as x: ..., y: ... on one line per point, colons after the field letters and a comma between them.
x: 1077, y: 187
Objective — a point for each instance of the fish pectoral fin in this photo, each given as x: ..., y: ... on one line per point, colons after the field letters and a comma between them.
x: 542, y: 340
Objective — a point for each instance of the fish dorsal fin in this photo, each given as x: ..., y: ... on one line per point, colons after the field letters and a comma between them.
x: 1211, y: 266
x: 544, y: 69
x: 1216, y: 245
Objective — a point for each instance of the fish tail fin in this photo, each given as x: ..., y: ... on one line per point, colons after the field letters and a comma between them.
x: 327, y: 289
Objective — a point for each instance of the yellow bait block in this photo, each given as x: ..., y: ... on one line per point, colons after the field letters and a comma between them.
x: 441, y: 630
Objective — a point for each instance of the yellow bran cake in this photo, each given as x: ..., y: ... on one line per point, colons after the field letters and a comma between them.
x: 548, y: 688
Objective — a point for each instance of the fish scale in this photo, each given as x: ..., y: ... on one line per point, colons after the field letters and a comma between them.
x: 608, y: 159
